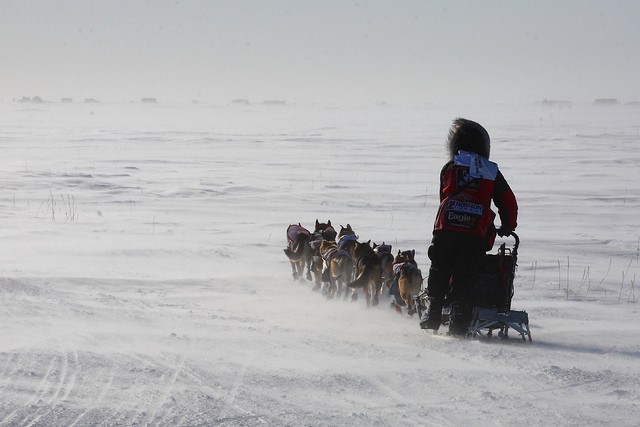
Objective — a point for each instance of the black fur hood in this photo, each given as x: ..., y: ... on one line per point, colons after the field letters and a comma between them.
x: 468, y: 135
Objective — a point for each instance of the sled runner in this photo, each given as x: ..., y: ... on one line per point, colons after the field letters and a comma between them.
x: 490, y: 320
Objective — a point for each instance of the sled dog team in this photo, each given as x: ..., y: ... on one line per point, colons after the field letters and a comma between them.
x: 339, y: 264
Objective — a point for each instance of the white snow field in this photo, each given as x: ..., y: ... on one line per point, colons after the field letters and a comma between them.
x: 143, y: 282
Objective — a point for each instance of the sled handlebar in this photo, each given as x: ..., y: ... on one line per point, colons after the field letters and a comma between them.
x: 516, y: 238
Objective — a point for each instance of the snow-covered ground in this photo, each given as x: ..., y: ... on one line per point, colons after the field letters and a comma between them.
x: 142, y: 278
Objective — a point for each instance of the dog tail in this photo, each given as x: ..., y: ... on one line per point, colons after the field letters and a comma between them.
x: 363, y: 278
x: 288, y: 252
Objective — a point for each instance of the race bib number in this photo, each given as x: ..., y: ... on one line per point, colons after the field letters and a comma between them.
x: 462, y: 214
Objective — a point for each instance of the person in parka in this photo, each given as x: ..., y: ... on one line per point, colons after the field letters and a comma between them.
x: 463, y: 230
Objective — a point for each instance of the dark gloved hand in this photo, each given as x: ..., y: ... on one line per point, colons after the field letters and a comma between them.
x: 502, y: 232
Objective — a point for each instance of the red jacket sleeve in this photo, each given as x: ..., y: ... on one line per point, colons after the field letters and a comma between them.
x: 505, y: 201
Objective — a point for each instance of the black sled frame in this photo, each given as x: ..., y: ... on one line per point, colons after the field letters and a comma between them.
x: 492, y: 294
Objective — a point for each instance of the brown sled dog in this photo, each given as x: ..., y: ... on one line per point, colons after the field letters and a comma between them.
x: 386, y: 262
x: 298, y: 250
x: 340, y: 268
x: 323, y: 231
x: 326, y: 230
x: 409, y: 279
x: 368, y: 271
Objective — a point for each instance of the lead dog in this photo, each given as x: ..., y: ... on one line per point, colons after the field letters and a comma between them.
x: 298, y: 250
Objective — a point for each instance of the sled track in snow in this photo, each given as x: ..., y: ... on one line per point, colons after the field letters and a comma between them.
x: 105, y: 387
x: 64, y: 377
x: 54, y: 387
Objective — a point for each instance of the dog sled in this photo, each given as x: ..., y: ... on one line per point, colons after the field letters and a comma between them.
x: 491, y: 298
x: 492, y: 295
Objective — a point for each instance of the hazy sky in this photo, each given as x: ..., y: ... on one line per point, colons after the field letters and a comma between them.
x: 321, y: 51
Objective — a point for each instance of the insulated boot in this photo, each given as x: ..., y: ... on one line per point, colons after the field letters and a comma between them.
x: 430, y: 312
x: 460, y: 320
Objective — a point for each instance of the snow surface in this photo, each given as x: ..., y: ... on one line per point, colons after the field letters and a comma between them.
x: 143, y: 280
